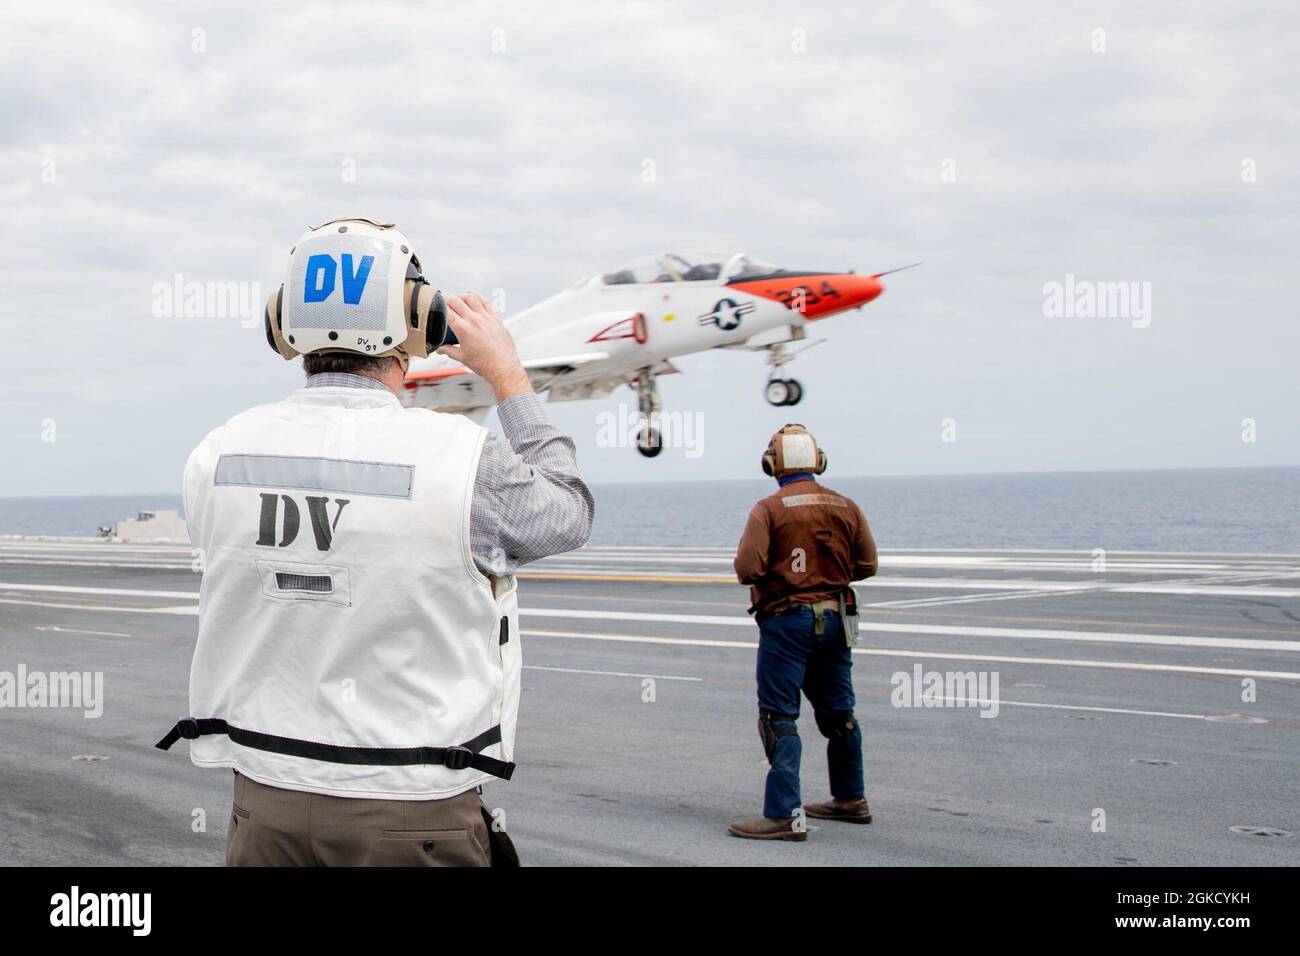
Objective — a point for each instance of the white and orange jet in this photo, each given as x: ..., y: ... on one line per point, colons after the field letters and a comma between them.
x: 625, y: 327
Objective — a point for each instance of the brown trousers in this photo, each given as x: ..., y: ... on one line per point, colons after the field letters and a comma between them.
x: 271, y: 826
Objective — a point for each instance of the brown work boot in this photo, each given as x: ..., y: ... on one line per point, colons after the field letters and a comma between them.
x: 854, y: 811
x: 766, y: 828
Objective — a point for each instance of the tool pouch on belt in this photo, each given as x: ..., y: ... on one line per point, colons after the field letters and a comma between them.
x: 499, y: 842
x: 849, y: 616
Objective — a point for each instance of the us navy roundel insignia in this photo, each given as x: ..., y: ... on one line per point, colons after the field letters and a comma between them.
x: 726, y: 314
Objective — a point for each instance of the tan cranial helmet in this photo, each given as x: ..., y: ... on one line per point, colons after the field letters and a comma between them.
x: 355, y: 285
x: 793, y: 449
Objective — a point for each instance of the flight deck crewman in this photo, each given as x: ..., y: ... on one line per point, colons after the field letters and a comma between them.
x: 358, y: 661
x: 801, y: 550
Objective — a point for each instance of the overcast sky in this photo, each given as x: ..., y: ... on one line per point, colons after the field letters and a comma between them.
x: 1006, y: 145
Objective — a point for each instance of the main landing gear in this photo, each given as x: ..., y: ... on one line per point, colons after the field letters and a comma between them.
x: 783, y: 391
x: 648, y: 440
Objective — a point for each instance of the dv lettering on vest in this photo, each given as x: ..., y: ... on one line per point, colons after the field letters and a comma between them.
x: 317, y: 511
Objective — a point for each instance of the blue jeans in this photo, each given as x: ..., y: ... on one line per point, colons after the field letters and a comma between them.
x: 790, y: 659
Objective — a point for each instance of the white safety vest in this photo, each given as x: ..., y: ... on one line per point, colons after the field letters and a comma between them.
x: 346, y: 639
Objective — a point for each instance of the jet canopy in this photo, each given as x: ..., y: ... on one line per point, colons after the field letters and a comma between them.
x: 694, y: 265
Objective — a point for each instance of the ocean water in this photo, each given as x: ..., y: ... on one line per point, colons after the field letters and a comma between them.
x: 1249, y: 509
x: 77, y: 515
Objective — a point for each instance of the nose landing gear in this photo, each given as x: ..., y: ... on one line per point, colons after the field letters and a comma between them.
x: 648, y: 441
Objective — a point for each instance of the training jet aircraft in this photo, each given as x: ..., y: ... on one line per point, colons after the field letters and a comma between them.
x: 625, y: 327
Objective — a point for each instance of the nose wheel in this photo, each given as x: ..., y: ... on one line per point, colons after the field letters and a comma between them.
x: 783, y: 391
x: 649, y: 442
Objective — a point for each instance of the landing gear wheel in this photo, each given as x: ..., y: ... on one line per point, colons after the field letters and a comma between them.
x: 649, y: 443
x: 777, y: 392
x: 796, y: 391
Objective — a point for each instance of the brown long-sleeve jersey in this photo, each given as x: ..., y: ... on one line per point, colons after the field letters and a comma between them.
x: 803, y: 536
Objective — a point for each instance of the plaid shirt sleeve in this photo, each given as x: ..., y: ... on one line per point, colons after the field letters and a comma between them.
x: 529, y: 500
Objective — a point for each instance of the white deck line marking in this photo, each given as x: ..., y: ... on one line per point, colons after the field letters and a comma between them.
x: 1015, y: 633
x: 1094, y: 637
x: 968, y: 702
x: 933, y: 655
x: 156, y: 565
x: 1084, y: 563
x: 192, y: 609
x: 881, y: 652
x: 1156, y: 587
x: 963, y: 701
x: 1020, y: 633
x: 1216, y: 589
x: 94, y: 544
x: 77, y: 630
x: 971, y: 598
x: 64, y: 553
x: 652, y: 560
x: 1082, y: 555
x: 1048, y: 588
x: 35, y: 547
x: 121, y: 592
x: 610, y: 565
x: 576, y: 670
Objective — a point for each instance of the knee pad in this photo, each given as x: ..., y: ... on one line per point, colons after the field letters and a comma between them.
x: 836, y: 723
x: 773, y: 727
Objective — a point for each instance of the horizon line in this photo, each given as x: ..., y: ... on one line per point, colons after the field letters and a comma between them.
x: 685, y: 481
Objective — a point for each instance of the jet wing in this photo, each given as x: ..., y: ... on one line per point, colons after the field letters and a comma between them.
x: 452, y: 388
x: 577, y: 387
x: 449, y: 386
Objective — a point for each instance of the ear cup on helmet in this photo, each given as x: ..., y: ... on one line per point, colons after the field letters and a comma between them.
x: 821, y: 462
x: 417, y: 295
x: 272, y: 316
x: 411, y: 289
x: 427, y: 314
x: 769, y: 461
x: 272, y: 324
x: 439, y: 331
x: 266, y: 322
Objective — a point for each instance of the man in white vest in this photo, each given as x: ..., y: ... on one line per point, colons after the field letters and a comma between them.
x: 358, y: 657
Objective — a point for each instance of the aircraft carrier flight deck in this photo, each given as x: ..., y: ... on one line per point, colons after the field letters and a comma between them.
x: 1146, y: 711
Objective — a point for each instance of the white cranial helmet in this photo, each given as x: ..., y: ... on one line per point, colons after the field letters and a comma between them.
x: 355, y: 285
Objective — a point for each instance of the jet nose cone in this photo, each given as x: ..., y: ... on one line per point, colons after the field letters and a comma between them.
x: 830, y: 294
x: 861, y: 289
x: 814, y: 294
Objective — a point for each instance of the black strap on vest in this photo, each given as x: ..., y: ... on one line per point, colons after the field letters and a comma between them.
x: 453, y: 758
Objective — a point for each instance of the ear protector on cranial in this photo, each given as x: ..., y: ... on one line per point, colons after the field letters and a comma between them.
x: 793, y: 449
x: 355, y: 285
x: 426, y: 309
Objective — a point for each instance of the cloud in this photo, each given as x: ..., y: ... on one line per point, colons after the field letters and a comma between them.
x: 508, y: 141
